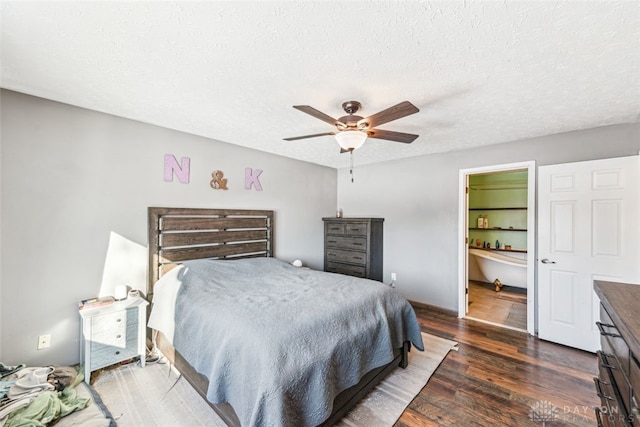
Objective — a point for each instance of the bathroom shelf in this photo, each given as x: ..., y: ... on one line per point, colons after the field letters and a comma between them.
x: 519, y: 251
x: 498, y: 229
x: 498, y: 209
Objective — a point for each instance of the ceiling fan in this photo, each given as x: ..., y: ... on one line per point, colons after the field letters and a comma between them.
x: 352, y: 130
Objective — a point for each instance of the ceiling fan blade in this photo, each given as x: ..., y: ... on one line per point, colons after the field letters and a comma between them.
x: 318, y: 114
x: 392, y: 113
x: 390, y: 135
x: 309, y: 136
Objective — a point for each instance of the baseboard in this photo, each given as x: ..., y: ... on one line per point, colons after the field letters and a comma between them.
x: 434, y: 308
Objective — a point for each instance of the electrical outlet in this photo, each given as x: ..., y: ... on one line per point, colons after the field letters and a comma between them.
x: 393, y: 277
x: 44, y: 341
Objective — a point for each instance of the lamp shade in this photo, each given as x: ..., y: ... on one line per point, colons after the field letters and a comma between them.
x: 351, y: 139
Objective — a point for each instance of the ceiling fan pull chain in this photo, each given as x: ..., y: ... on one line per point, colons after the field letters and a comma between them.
x: 351, y: 164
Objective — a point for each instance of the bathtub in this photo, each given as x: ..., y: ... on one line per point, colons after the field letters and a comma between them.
x: 487, y: 266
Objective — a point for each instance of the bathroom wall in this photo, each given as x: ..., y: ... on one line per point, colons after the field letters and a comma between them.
x: 496, y: 191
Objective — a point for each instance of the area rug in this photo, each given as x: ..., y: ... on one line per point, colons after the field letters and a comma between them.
x: 157, y: 396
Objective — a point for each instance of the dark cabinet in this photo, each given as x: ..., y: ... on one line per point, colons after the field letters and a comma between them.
x: 353, y: 246
x: 618, y: 381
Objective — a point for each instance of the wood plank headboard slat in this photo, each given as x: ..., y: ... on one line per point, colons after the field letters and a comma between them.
x: 191, y: 223
x: 199, y: 238
x: 219, y: 251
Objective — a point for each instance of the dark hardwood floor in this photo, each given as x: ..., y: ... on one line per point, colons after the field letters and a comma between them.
x: 501, y: 377
x: 506, y: 307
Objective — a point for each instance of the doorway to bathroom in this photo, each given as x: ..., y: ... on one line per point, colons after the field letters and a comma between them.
x: 497, y: 250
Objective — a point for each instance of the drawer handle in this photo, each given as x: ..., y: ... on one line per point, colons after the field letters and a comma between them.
x: 357, y: 244
x: 118, y: 352
x: 599, y: 392
x: 598, y: 418
x: 604, y: 333
x: 331, y: 241
x: 357, y: 258
x: 118, y: 336
x: 118, y: 320
x: 604, y: 362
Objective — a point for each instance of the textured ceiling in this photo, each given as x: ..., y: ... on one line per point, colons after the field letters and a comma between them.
x: 480, y: 72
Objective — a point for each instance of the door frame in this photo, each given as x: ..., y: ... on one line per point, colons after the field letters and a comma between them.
x: 463, y: 245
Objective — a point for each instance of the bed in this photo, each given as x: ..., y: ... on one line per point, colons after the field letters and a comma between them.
x: 268, y: 343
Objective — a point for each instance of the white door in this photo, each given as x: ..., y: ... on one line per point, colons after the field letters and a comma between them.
x: 587, y: 230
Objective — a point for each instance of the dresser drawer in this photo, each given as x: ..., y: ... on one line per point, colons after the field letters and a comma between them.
x: 606, y: 387
x: 351, y: 257
x: 351, y: 270
x: 355, y: 229
x: 616, y: 379
x: 617, y: 372
x: 617, y: 355
x: 604, y: 415
x: 602, y: 419
x: 358, y: 243
x: 634, y: 376
x: 335, y: 228
x: 617, y: 346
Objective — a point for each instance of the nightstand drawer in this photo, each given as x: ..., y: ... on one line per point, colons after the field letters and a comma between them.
x: 110, y: 355
x: 109, y: 323
x: 352, y: 257
x: 359, y: 243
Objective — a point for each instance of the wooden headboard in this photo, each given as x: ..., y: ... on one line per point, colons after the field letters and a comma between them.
x: 182, y: 234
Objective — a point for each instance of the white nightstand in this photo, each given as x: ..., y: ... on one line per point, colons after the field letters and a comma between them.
x: 112, y: 333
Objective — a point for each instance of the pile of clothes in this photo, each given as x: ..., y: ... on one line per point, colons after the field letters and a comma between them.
x: 36, y: 396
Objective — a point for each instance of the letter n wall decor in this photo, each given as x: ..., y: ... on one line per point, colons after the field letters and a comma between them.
x: 171, y: 167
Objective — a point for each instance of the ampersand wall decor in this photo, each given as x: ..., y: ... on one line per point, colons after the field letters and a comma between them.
x: 218, y: 182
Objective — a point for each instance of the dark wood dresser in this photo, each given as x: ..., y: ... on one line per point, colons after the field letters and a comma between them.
x: 618, y: 382
x: 353, y: 246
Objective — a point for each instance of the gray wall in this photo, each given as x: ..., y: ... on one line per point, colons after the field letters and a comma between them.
x: 71, y: 176
x: 418, y: 198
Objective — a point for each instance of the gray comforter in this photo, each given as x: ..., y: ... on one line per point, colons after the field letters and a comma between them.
x: 279, y: 342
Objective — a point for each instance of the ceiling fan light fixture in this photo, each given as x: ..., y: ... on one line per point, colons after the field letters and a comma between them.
x: 351, y: 139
